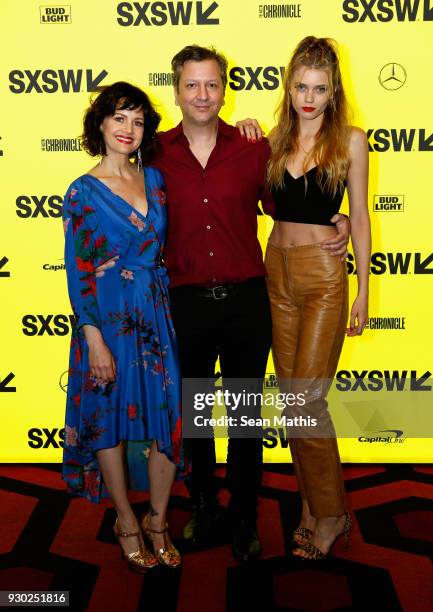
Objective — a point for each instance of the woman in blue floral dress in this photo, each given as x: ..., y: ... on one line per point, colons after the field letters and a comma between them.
x: 123, y: 402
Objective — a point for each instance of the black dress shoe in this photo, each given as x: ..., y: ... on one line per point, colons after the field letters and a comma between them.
x: 246, y: 543
x: 204, y: 524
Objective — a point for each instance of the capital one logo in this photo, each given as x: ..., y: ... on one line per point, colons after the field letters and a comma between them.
x: 387, y: 10
x: 52, y: 80
x: 378, y: 437
x: 163, y: 13
x: 382, y: 140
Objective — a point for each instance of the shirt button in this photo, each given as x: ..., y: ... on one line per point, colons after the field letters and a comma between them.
x: 208, y: 227
x: 210, y: 253
x: 214, y: 280
x: 205, y: 200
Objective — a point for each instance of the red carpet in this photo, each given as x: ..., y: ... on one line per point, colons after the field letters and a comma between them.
x: 51, y: 541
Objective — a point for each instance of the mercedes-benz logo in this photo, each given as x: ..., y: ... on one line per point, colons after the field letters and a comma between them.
x: 63, y: 381
x: 392, y: 76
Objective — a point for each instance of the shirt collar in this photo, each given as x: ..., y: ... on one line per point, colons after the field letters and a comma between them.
x: 224, y: 129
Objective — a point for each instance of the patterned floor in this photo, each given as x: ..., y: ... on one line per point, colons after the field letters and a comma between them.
x: 49, y: 541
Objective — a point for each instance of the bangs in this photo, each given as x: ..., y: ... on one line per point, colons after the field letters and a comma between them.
x: 128, y: 103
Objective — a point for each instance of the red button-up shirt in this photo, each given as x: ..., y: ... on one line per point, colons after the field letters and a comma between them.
x: 212, y: 211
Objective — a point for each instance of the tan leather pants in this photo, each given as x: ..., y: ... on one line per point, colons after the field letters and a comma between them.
x: 308, y: 293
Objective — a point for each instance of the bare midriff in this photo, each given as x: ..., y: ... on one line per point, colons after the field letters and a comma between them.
x: 286, y: 234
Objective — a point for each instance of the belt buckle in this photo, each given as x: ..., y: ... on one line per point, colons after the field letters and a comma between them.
x: 219, y: 293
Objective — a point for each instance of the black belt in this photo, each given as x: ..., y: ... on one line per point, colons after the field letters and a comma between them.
x: 220, y: 292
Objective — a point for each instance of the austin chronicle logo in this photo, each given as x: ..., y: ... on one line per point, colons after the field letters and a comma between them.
x: 279, y: 11
x: 392, y: 76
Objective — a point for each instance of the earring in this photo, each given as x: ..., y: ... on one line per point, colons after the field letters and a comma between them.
x: 139, y: 161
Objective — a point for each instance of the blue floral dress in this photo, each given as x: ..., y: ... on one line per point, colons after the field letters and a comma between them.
x: 130, y: 305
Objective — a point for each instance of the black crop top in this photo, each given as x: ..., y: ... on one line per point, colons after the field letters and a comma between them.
x: 293, y: 204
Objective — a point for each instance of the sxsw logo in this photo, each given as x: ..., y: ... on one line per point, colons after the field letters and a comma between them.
x: 382, y: 140
x: 388, y: 203
x: 55, y: 14
x: 44, y: 438
x: 35, y: 206
x: 163, y: 13
x: 387, y: 10
x: 51, y: 324
x: 258, y: 77
x: 52, y: 80
x: 4, y: 273
x: 382, y: 380
x: 4, y: 384
x: 395, y: 263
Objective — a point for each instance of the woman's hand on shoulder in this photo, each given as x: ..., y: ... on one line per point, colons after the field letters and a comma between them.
x: 250, y: 129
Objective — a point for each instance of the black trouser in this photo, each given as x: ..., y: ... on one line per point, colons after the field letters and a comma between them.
x: 238, y: 329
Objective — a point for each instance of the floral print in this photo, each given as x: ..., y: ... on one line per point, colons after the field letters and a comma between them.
x: 127, y: 274
x: 137, y: 222
x: 129, y: 304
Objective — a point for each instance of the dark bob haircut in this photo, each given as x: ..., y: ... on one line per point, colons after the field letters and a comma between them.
x: 195, y: 53
x: 119, y: 96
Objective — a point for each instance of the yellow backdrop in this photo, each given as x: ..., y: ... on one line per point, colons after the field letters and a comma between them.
x: 54, y: 55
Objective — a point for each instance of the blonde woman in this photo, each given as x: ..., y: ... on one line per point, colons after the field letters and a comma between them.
x: 315, y: 156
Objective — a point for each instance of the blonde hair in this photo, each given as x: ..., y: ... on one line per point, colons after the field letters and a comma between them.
x: 330, y: 151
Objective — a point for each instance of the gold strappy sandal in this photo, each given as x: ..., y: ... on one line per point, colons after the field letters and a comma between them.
x: 142, y: 559
x: 168, y: 555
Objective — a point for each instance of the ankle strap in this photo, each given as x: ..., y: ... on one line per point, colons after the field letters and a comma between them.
x: 124, y: 534
x: 156, y: 531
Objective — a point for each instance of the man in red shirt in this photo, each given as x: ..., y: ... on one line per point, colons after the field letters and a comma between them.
x: 214, y: 180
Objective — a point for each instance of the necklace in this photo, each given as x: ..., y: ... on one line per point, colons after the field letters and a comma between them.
x: 306, y: 152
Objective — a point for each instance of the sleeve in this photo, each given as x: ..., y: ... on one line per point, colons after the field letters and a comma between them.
x: 265, y: 195
x: 79, y: 223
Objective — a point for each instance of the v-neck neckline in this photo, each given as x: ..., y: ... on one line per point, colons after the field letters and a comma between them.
x: 144, y: 216
x: 301, y: 175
